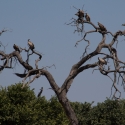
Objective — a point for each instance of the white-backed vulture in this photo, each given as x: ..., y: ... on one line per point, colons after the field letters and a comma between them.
x: 102, y: 27
x: 102, y: 61
x: 87, y: 17
x: 31, y: 45
x: 16, y: 48
x: 80, y: 14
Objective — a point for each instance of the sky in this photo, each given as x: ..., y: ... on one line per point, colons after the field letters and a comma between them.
x: 43, y: 22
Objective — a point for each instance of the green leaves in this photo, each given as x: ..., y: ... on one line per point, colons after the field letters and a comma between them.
x: 21, y: 107
x: 109, y: 112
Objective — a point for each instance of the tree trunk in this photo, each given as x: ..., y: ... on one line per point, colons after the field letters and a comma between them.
x: 68, y: 109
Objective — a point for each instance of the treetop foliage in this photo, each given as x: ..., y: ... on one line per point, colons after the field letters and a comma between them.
x: 21, y: 106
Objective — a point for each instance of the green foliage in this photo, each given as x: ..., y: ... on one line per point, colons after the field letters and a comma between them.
x: 82, y: 110
x: 15, y: 105
x: 110, y: 112
x: 50, y: 112
x: 21, y: 107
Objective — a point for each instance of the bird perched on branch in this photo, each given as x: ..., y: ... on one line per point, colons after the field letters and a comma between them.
x: 114, y: 50
x: 16, y: 48
x: 87, y: 17
x: 31, y: 45
x: 80, y: 14
x: 102, y: 61
x: 102, y: 27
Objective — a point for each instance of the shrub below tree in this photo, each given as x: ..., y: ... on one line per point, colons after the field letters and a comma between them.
x: 22, y: 107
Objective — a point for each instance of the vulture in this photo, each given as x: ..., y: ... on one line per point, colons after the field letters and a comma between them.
x: 102, y: 27
x: 80, y: 14
x: 16, y: 48
x: 114, y: 50
x: 31, y: 45
x: 102, y: 61
x: 87, y: 17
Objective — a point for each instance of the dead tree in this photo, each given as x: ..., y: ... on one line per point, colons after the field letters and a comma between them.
x: 77, y: 68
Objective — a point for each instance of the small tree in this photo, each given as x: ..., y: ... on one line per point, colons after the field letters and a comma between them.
x: 20, y: 106
x: 77, y: 68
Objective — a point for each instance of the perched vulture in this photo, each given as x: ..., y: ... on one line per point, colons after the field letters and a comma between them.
x: 114, y: 50
x: 31, y: 45
x: 87, y: 17
x: 16, y: 48
x: 102, y: 27
x: 80, y: 14
x: 102, y: 61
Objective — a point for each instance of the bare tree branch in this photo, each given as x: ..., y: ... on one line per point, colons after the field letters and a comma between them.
x: 41, y: 90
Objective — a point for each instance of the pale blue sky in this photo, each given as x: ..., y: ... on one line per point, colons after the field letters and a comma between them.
x: 43, y: 22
